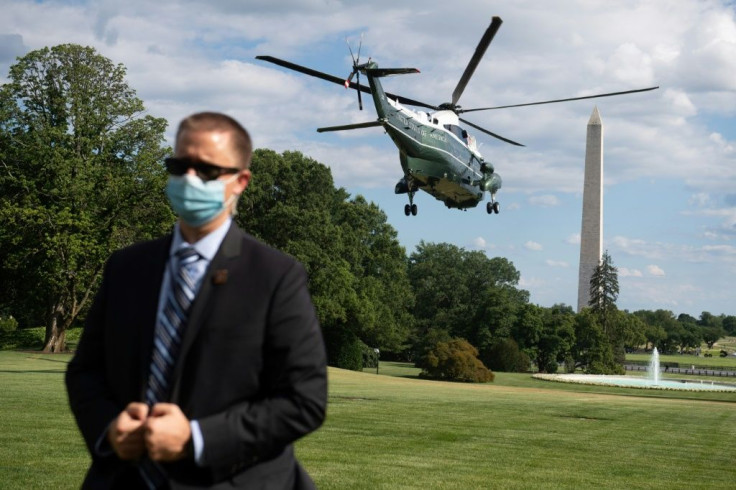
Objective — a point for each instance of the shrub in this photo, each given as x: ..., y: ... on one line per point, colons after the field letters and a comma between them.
x: 505, y: 355
x: 455, y: 360
x: 23, y: 338
x: 598, y: 367
x: 569, y: 364
x: 344, y: 349
x: 370, y: 357
x: 8, y: 324
x: 550, y: 366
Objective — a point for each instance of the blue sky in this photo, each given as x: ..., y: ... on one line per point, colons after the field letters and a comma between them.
x: 669, y: 155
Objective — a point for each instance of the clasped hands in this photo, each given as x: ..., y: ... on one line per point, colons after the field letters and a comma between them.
x: 162, y: 432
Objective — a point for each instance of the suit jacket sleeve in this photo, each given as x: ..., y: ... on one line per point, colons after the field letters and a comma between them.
x: 293, y: 383
x: 105, y: 374
x: 92, y: 402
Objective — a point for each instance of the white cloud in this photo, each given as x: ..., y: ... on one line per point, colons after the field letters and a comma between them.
x: 641, y: 295
x: 675, y: 252
x: 626, y: 272
x: 479, y: 242
x: 700, y: 199
x: 655, y: 271
x: 531, y: 282
x: 531, y: 245
x: 573, y: 239
x: 722, y: 250
x: 557, y: 263
x: 545, y: 201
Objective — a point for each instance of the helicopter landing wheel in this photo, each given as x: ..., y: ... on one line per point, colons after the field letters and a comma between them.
x: 489, y: 207
x: 496, y: 207
x: 414, y: 209
x: 407, y: 210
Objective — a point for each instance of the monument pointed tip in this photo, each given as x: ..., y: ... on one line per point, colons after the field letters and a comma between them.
x: 595, y: 117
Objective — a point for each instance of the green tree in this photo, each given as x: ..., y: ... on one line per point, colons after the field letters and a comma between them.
x: 464, y: 293
x: 604, y: 292
x: 556, y: 339
x: 379, y: 263
x: 80, y: 176
x: 633, y: 329
x: 528, y: 328
x: 712, y: 335
x: 711, y: 328
x: 356, y: 266
x: 592, y: 349
x: 603, y: 295
x: 662, y: 329
x: 729, y: 324
x: 691, y: 337
x: 709, y: 320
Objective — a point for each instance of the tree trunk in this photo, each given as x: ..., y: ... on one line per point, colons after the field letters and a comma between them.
x: 55, y: 332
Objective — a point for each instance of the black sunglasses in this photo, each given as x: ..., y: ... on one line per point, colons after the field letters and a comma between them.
x: 205, y: 171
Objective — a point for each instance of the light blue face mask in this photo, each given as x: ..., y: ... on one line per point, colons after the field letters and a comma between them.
x: 197, y: 202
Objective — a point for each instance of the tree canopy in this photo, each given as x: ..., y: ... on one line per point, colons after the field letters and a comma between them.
x: 356, y: 266
x: 80, y: 176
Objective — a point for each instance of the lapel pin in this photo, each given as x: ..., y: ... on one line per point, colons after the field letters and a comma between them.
x: 219, y: 277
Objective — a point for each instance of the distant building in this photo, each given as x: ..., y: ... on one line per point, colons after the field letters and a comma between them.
x: 591, y: 230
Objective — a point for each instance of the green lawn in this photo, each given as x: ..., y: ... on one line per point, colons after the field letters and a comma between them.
x: 40, y: 446
x: 400, y: 432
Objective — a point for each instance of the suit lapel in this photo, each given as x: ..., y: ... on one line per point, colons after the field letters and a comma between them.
x: 150, y: 291
x: 214, y: 279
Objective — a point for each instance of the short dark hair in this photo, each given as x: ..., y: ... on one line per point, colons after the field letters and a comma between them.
x: 216, y: 121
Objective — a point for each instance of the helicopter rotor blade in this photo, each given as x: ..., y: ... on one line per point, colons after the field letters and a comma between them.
x: 407, y: 101
x: 306, y: 71
x: 341, y: 81
x: 360, y: 100
x: 350, y: 126
x: 351, y: 50
x: 497, y: 136
x: 560, y: 100
x: 477, y: 56
x: 360, y: 45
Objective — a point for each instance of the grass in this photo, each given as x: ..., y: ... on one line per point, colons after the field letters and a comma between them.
x: 40, y: 446
x: 518, y: 432
x: 398, y: 432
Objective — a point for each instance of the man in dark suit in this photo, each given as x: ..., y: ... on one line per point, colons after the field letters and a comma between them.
x: 207, y: 385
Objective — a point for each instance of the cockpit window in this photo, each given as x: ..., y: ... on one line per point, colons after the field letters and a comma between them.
x: 457, y: 131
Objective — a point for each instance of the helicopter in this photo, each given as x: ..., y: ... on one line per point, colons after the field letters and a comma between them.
x: 437, y: 154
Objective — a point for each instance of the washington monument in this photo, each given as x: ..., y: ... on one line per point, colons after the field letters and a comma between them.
x: 591, y: 231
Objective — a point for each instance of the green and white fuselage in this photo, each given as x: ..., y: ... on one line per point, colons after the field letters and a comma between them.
x: 437, y: 155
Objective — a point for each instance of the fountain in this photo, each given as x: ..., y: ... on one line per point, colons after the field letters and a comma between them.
x: 654, y: 367
x: 652, y: 380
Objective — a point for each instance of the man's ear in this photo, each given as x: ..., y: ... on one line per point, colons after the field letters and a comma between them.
x: 242, y: 181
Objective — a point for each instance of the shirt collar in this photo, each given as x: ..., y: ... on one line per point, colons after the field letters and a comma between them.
x: 207, y: 246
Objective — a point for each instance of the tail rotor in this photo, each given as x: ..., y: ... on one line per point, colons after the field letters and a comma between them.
x: 356, y: 71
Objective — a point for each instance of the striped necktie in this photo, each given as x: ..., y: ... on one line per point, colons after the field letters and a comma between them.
x: 169, y: 331
x: 170, y: 326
